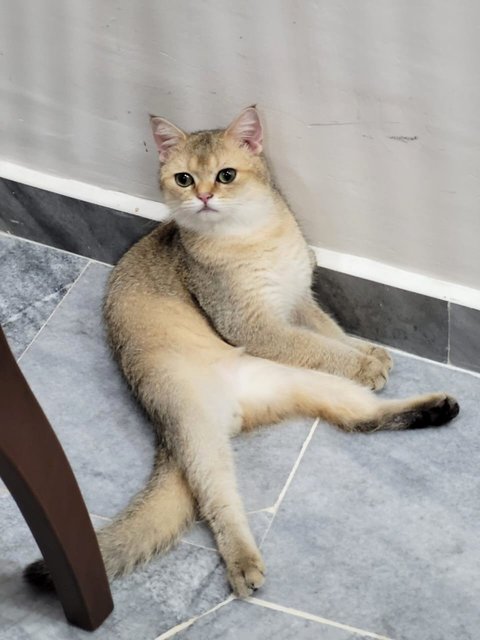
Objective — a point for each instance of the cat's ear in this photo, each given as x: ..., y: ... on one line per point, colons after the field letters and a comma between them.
x: 166, y: 135
x: 247, y: 129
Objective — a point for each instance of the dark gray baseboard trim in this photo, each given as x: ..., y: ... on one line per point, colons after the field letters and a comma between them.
x: 425, y: 326
x: 391, y: 316
x: 412, y: 322
x: 68, y: 223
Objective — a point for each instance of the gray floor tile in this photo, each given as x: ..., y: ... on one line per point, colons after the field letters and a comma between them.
x: 186, y: 582
x: 201, y: 534
x: 33, y: 280
x: 465, y: 337
x: 381, y: 531
x: 239, y: 620
x: 107, y: 439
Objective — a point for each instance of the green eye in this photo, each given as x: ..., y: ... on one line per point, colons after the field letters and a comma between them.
x: 226, y: 175
x: 183, y: 179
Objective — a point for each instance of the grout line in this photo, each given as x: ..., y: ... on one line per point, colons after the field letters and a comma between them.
x: 95, y: 515
x: 37, y: 303
x: 264, y: 510
x: 199, y: 546
x: 188, y: 623
x: 49, y: 246
x: 295, y: 466
x: 289, y: 479
x: 448, y: 328
x: 104, y: 264
x: 55, y: 310
x: 310, y: 616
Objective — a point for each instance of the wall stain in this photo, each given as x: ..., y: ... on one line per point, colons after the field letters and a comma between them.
x: 403, y: 138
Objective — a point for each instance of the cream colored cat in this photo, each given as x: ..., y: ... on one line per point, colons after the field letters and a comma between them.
x: 213, y: 322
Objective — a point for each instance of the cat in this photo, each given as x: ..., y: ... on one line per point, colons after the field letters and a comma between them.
x: 213, y: 322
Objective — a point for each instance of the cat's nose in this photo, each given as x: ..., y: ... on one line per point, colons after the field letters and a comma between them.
x: 204, y: 197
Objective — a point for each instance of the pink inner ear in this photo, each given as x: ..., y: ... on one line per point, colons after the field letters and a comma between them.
x: 247, y: 129
x: 166, y: 136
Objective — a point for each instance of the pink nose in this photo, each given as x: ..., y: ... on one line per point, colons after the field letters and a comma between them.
x: 204, y: 197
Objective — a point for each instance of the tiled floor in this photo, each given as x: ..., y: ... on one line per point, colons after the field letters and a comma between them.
x: 363, y: 536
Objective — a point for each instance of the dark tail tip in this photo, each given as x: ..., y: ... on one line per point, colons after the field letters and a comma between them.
x: 38, y: 575
x: 436, y: 415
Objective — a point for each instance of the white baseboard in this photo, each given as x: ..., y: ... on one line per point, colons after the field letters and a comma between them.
x: 396, y: 277
x: 84, y: 191
x: 352, y: 265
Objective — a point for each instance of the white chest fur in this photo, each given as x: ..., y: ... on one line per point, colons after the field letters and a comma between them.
x: 288, y: 276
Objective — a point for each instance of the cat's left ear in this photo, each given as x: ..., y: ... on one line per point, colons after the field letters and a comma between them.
x: 247, y: 129
x: 167, y: 136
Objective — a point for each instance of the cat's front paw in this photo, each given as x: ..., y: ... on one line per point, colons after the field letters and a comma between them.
x: 246, y: 574
x: 381, y: 354
x: 372, y: 373
x: 373, y: 350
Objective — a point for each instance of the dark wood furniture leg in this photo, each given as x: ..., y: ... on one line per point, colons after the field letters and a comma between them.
x: 38, y: 475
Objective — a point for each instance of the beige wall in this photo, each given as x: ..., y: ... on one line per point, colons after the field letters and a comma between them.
x: 372, y: 107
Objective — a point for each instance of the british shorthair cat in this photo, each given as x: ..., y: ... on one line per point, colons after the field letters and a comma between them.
x: 212, y: 320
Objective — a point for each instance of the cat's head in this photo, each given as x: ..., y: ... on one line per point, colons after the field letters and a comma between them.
x: 215, y: 181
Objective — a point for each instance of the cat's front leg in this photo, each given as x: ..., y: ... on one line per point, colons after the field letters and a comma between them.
x: 372, y: 350
x: 310, y: 315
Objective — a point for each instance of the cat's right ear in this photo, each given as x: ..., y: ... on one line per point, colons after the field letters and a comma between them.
x: 167, y: 136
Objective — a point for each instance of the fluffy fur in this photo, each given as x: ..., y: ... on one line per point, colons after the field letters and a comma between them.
x: 213, y: 323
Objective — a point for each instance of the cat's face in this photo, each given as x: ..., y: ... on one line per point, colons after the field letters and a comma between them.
x: 215, y: 181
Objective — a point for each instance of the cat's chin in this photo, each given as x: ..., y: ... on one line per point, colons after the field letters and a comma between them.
x: 243, y: 219
x: 202, y: 220
x: 208, y: 217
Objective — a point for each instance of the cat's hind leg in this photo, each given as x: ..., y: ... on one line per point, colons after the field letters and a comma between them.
x: 213, y: 403
x: 269, y: 392
x: 204, y: 416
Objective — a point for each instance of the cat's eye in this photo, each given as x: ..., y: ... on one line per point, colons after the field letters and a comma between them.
x: 226, y: 175
x: 183, y: 179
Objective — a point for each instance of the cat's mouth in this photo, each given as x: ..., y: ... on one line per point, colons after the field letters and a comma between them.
x: 206, y: 208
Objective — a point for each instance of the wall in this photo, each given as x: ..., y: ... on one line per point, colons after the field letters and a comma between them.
x: 372, y: 107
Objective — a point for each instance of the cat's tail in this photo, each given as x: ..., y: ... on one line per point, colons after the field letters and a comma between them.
x: 151, y: 523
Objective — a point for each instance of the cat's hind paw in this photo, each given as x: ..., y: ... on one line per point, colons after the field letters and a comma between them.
x: 246, y: 575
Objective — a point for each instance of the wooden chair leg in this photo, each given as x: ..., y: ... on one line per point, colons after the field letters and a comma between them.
x: 37, y: 473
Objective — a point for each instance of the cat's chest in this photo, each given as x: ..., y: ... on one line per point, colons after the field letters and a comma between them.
x: 287, y: 278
